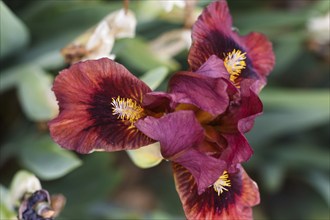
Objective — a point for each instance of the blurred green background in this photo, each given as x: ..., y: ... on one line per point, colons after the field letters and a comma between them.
x: 291, y: 139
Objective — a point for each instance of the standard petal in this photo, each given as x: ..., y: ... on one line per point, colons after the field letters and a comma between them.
x: 260, y: 50
x: 214, y: 68
x: 176, y: 131
x: 206, y: 93
x: 241, y: 114
x: 158, y: 102
x: 87, y: 121
x: 234, y: 202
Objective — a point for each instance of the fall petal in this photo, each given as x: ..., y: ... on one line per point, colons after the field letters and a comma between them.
x: 206, y: 93
x: 204, y: 168
x: 211, y: 34
x: 158, y: 102
x: 247, y: 57
x: 86, y: 121
x: 233, y: 203
x: 259, y: 49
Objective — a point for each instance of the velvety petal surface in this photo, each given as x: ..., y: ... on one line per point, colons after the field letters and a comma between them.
x: 204, y: 168
x: 206, y: 93
x: 176, y: 132
x: 179, y: 134
x: 158, y: 102
x: 238, y: 149
x: 213, y: 67
x: 86, y: 121
x: 260, y: 49
x: 235, y: 203
x: 213, y: 35
x: 241, y: 114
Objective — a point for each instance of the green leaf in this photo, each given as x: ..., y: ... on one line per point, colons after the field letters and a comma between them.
x: 136, y: 54
x: 155, y: 77
x: 320, y: 182
x: 272, y: 176
x: 14, y: 35
x: 46, y: 159
x: 261, y: 20
x: 316, y: 101
x: 48, y: 19
x: 288, y: 111
x: 35, y: 95
x: 90, y: 183
x: 285, y: 57
x: 10, y: 78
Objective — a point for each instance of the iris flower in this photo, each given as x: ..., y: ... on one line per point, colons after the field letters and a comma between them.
x: 230, y: 197
x: 206, y: 121
x: 99, y: 101
x: 247, y: 58
x: 200, y: 121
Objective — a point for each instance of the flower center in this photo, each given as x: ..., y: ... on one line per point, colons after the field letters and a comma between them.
x: 222, y: 184
x: 127, y: 109
x: 234, y: 63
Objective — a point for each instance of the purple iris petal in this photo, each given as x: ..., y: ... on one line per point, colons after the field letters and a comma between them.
x: 179, y: 134
x: 214, y: 68
x: 208, y: 94
x: 176, y: 131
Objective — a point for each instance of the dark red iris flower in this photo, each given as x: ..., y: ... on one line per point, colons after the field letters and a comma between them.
x: 206, y: 125
x: 99, y: 101
x: 247, y: 58
x: 200, y: 122
x: 230, y: 197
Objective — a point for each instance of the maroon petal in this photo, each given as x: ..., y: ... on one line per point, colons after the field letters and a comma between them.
x: 176, y: 131
x: 260, y: 50
x: 214, y: 68
x: 206, y: 93
x: 86, y: 121
x: 249, y: 57
x: 158, y: 102
x: 234, y: 202
x: 238, y: 149
x: 179, y: 134
x: 240, y: 116
x: 204, y: 168
x: 211, y: 35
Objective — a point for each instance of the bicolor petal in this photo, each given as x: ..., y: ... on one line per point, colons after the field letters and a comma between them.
x: 260, y: 49
x: 232, y: 196
x: 99, y: 101
x: 243, y: 57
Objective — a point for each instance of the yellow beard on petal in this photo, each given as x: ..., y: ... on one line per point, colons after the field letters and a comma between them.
x: 127, y: 109
x: 235, y: 62
x: 222, y: 184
